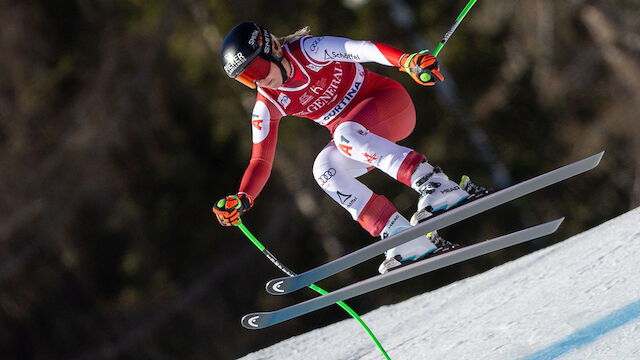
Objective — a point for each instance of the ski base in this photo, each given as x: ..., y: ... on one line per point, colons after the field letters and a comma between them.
x: 261, y: 320
x: 285, y: 285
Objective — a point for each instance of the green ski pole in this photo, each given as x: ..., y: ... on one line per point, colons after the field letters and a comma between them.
x: 314, y: 287
x: 453, y: 27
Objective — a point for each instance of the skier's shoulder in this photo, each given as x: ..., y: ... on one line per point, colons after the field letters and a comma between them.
x: 307, y: 49
x: 316, y: 44
x: 269, y: 98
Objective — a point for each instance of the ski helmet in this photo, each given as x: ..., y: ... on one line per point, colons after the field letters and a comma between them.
x: 246, y: 54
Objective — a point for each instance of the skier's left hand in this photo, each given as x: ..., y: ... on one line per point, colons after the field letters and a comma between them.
x: 423, y: 68
x: 229, y: 209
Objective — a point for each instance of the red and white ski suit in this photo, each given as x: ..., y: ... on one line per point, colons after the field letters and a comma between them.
x: 366, y: 114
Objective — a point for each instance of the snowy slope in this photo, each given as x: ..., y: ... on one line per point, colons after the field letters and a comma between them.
x: 578, y: 299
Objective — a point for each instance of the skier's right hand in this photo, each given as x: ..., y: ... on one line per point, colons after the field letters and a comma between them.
x: 229, y: 209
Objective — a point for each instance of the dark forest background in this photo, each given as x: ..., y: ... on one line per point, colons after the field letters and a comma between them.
x: 119, y: 130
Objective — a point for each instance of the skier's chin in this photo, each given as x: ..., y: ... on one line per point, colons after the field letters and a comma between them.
x: 274, y: 84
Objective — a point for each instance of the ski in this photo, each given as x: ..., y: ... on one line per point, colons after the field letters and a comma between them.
x: 261, y: 320
x: 285, y: 285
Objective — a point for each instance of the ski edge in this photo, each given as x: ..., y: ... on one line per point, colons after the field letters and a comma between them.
x: 261, y: 320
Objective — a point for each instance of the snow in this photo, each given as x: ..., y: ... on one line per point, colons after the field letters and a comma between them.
x: 578, y: 299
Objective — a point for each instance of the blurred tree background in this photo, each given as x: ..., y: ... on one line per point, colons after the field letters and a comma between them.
x: 119, y: 129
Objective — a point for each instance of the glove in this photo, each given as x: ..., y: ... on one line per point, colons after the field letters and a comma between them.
x: 423, y: 68
x: 229, y: 209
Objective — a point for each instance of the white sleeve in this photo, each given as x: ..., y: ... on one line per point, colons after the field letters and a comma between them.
x: 329, y: 48
x: 260, y: 122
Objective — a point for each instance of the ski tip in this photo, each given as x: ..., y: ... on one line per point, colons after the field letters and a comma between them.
x: 275, y: 286
x: 556, y: 223
x: 597, y: 157
x: 544, y: 229
x: 255, y: 321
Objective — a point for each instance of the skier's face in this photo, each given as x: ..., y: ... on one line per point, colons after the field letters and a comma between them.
x: 273, y: 79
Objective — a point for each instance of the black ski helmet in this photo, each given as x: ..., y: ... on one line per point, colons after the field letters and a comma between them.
x: 246, y: 54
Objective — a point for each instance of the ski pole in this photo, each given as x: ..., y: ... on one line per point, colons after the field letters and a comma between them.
x: 314, y: 287
x: 453, y: 27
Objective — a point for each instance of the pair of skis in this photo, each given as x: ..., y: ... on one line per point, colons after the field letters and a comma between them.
x: 285, y: 285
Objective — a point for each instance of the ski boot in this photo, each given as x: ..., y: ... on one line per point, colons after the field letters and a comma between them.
x: 415, y: 250
x: 437, y: 192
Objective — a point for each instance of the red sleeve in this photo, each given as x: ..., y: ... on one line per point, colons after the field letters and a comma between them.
x: 391, y: 53
x: 264, y: 123
x: 259, y: 169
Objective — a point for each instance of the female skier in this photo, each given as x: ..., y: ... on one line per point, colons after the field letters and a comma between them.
x: 321, y: 78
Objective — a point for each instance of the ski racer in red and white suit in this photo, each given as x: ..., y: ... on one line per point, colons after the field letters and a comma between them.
x: 365, y: 112
x: 366, y: 115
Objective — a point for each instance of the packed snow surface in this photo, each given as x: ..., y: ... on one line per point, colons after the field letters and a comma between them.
x: 578, y: 299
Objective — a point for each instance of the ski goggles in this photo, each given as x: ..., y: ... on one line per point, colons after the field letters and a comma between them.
x: 258, y: 69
